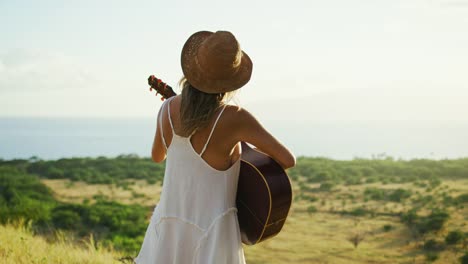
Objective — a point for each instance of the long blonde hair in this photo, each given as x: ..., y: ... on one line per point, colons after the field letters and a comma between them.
x: 198, y: 108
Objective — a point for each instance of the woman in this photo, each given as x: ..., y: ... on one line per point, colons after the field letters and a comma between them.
x: 195, y: 220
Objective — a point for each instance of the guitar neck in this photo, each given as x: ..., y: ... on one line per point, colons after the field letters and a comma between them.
x: 168, y: 92
x: 161, y: 87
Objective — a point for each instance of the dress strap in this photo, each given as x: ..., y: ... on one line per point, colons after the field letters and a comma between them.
x: 212, y: 129
x: 160, y: 124
x: 169, y: 113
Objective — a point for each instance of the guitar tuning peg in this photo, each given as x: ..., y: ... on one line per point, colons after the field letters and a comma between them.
x: 162, y: 98
x: 151, y: 89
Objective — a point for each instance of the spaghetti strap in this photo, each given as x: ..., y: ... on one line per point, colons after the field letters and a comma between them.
x: 211, y: 133
x: 169, y: 113
x: 160, y: 125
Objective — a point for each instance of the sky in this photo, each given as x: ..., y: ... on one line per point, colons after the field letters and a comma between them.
x: 314, y: 61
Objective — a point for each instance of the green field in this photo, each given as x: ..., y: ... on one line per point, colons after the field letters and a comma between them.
x: 359, y: 211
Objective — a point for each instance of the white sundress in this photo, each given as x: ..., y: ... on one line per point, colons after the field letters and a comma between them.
x: 195, y: 220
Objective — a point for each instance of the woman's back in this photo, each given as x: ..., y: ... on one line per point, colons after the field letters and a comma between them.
x: 222, y: 149
x: 195, y: 220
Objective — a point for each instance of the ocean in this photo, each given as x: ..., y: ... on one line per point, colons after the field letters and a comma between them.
x: 54, y: 138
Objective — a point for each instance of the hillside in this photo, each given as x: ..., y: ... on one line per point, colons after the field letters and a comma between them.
x: 360, y: 211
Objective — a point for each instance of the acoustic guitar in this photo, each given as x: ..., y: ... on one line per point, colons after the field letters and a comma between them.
x: 264, y: 192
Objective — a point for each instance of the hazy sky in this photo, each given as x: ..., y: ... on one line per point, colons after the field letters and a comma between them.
x: 319, y: 61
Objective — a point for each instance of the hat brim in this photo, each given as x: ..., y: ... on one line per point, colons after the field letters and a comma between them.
x: 196, y: 76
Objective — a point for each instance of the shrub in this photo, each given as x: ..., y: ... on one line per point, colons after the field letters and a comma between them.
x: 359, y: 211
x: 326, y: 186
x: 387, y: 228
x: 356, y: 238
x: 399, y: 195
x: 454, y: 237
x: 371, y: 179
x: 23, y: 196
x: 432, y: 256
x: 432, y: 245
x: 151, y: 180
x: 377, y: 194
x: 353, y: 181
x: 464, y: 259
x: 374, y: 193
x: 410, y: 217
x: 66, y: 219
x: 311, y: 198
x: 462, y: 198
x: 433, y: 222
x: 311, y: 209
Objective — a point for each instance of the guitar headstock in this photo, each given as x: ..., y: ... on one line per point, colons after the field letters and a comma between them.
x: 161, y: 87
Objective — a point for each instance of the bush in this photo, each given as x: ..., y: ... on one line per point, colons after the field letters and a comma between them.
x: 462, y: 198
x: 433, y: 222
x: 66, y: 219
x: 356, y: 238
x: 432, y: 245
x: 377, y: 194
x: 409, y: 218
x: 322, y: 176
x: 353, y: 181
x: 359, y: 212
x: 311, y: 209
x: 371, y: 179
x: 326, y: 186
x: 311, y: 198
x: 374, y: 193
x: 432, y: 256
x: 399, y: 195
x: 464, y: 259
x: 23, y: 196
x: 454, y: 237
x: 387, y: 228
x: 98, y: 170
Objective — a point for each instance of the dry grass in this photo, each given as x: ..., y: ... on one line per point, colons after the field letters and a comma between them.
x: 321, y: 237
x: 324, y: 238
x: 19, y: 245
x: 139, y: 191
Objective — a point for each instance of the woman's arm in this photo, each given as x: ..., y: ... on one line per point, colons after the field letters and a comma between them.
x: 250, y: 130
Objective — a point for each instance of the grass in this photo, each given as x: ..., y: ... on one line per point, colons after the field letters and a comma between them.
x: 323, y: 238
x: 137, y: 192
x: 320, y: 237
x: 19, y: 245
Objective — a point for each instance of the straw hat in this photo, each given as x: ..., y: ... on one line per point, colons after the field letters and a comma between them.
x: 214, y: 62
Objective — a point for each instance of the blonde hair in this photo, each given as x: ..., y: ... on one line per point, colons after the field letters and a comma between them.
x: 198, y: 108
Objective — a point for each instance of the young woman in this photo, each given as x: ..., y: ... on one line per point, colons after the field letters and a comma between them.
x: 195, y: 220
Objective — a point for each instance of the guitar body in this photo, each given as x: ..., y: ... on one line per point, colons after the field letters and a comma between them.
x: 264, y: 196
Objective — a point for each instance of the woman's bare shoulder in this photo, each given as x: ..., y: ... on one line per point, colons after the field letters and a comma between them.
x: 238, y: 119
x: 232, y: 118
x: 237, y: 111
